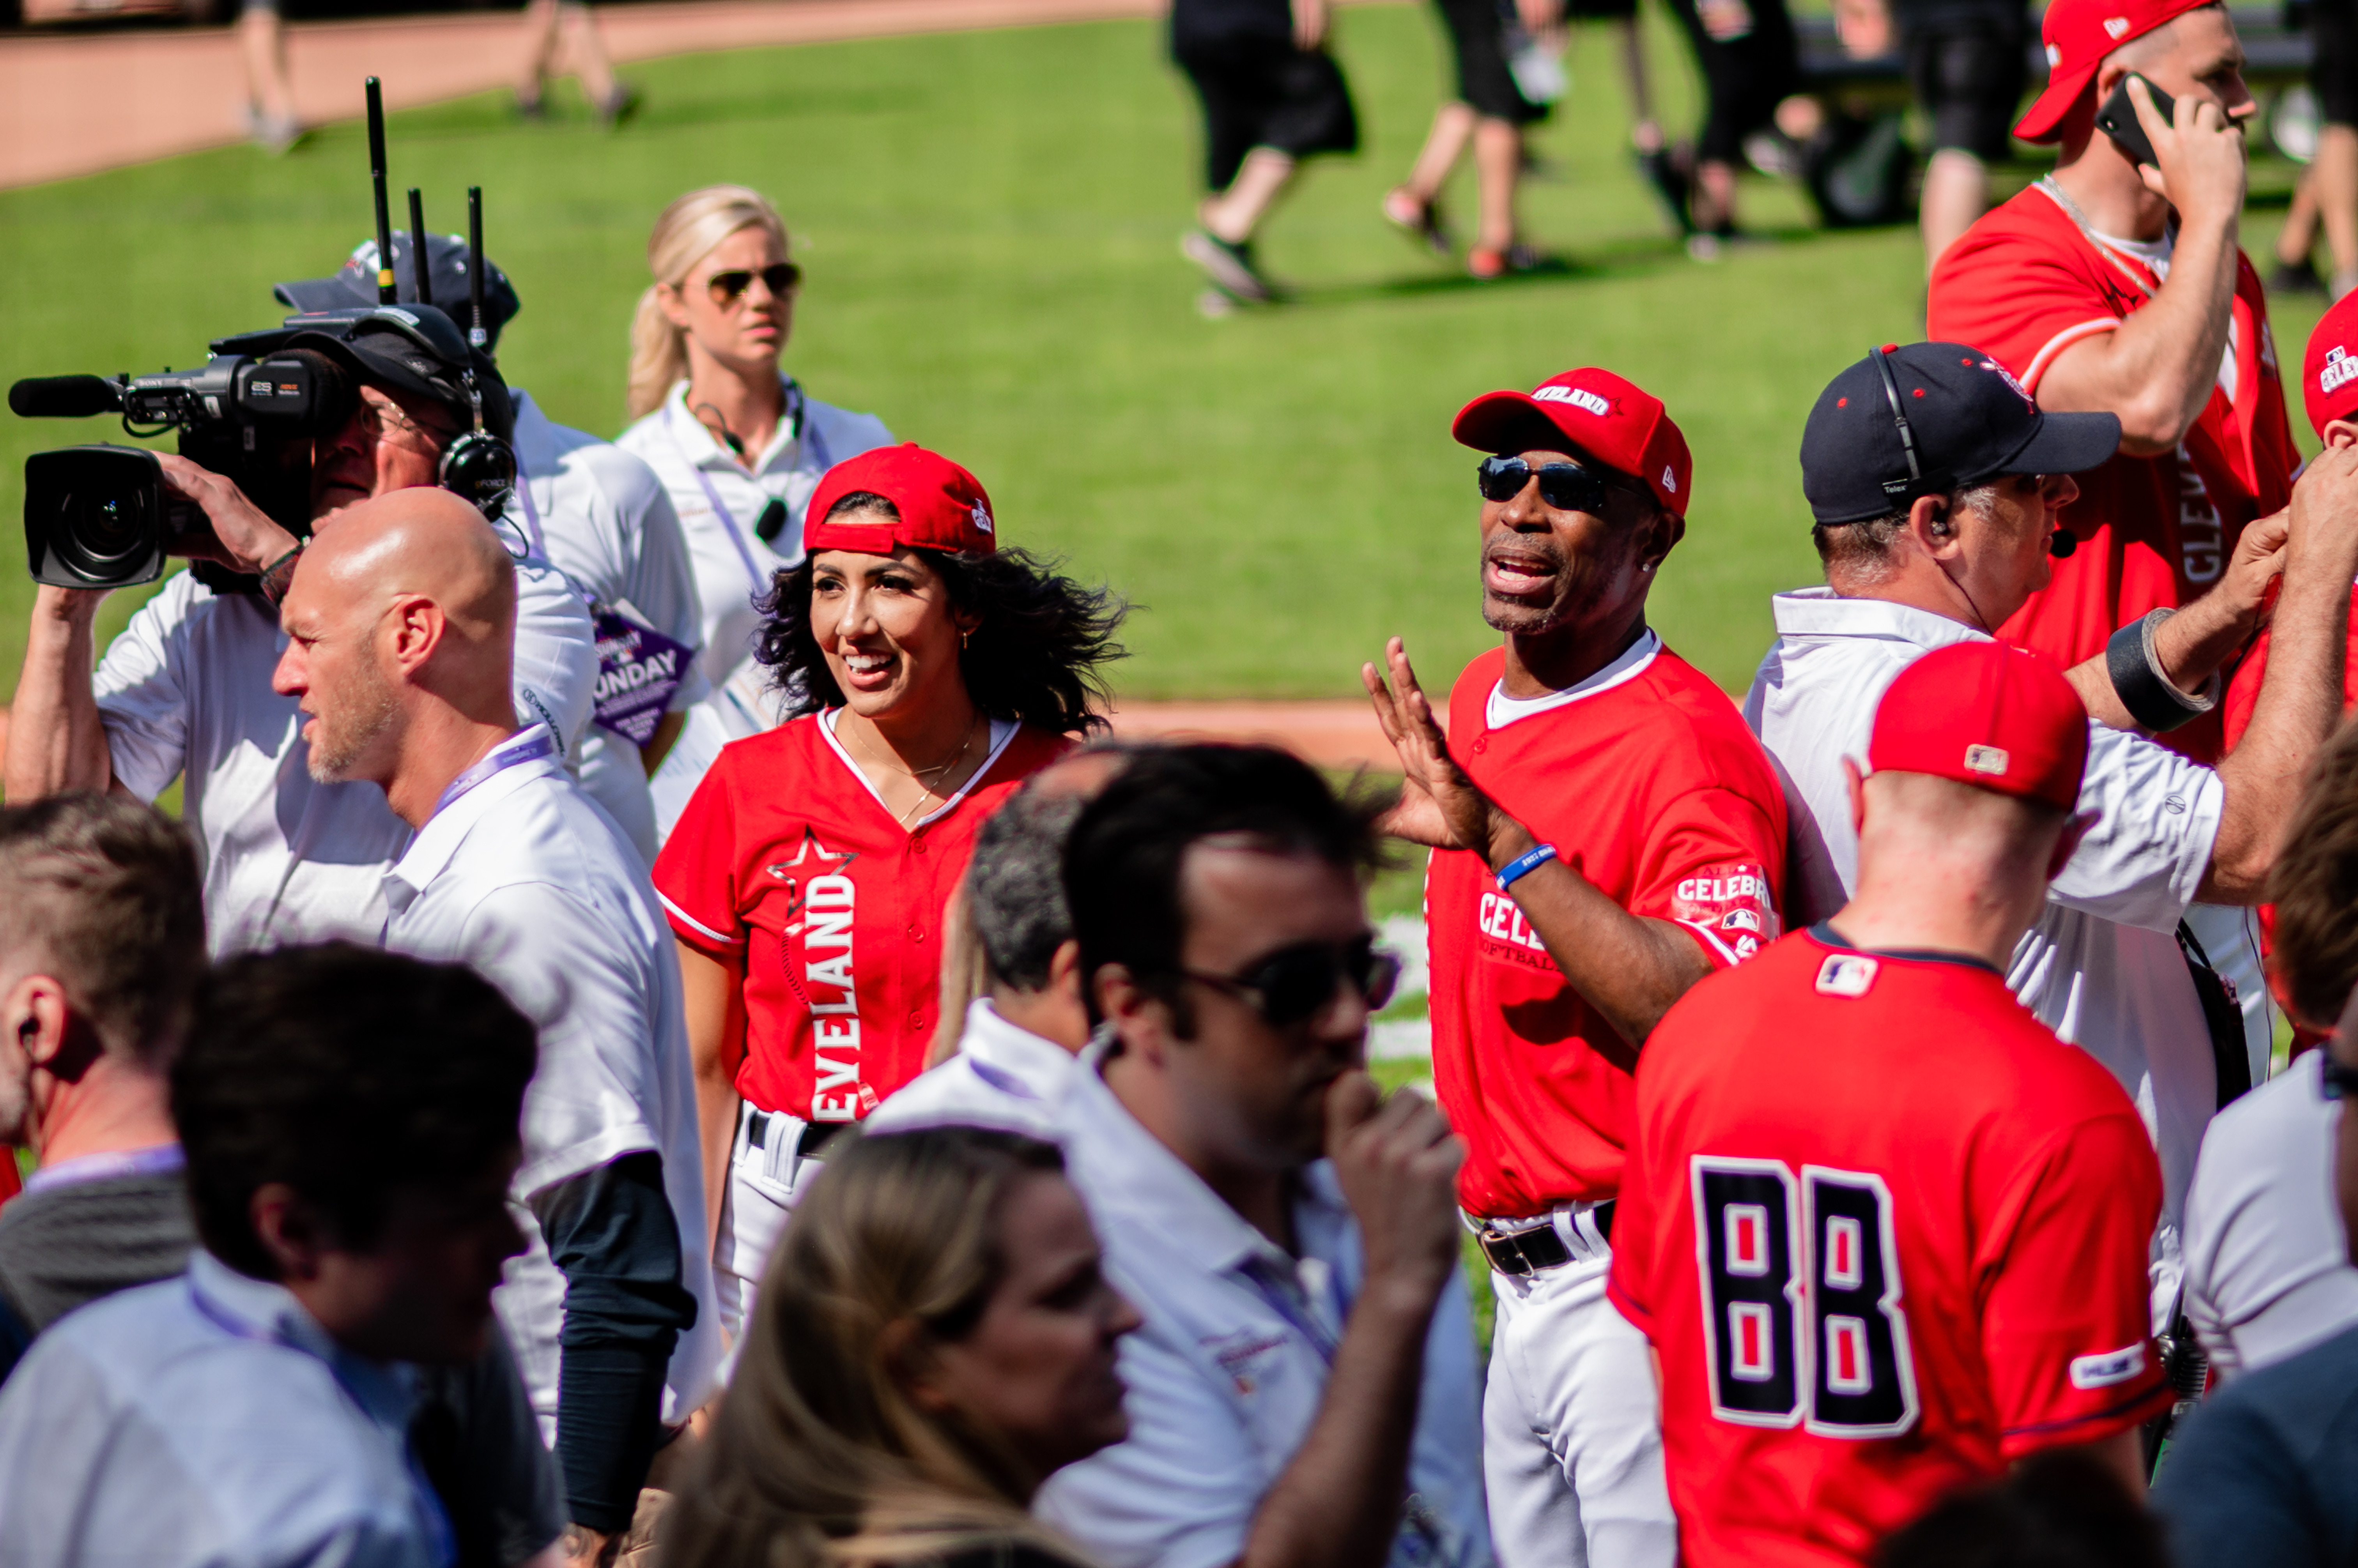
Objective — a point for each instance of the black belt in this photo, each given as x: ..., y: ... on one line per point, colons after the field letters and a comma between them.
x: 814, y: 1137
x: 1525, y: 1252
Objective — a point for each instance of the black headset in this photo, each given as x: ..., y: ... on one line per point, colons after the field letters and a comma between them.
x: 479, y: 467
x: 2060, y: 544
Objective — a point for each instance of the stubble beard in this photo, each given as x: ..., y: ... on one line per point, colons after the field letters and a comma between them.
x: 347, y: 732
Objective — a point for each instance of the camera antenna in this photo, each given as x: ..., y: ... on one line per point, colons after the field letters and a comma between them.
x: 476, y: 334
x: 387, y: 294
x: 417, y: 246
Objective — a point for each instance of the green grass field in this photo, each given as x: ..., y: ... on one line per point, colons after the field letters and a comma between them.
x: 988, y: 222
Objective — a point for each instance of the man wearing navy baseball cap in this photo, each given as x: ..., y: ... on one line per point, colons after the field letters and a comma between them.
x: 1935, y: 484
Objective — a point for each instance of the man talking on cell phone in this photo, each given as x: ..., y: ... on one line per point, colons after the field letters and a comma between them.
x: 2115, y: 286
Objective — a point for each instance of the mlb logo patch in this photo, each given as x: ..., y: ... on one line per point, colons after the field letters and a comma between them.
x: 1846, y: 974
x: 2112, y: 1367
x: 1992, y: 760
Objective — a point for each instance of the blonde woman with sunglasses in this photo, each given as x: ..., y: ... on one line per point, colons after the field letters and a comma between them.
x: 736, y: 441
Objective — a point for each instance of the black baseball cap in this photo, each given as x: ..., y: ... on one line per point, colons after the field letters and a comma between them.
x: 415, y: 348
x: 1971, y: 421
x: 446, y: 278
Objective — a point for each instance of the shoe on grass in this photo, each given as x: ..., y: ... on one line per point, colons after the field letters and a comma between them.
x: 1420, y: 220
x: 274, y: 134
x: 2296, y: 278
x: 1485, y: 263
x: 1230, y: 267
x: 617, y: 108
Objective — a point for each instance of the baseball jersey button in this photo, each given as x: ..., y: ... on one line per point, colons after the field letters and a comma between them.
x: 918, y: 844
x: 917, y: 934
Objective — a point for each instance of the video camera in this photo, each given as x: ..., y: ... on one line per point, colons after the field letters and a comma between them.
x: 101, y: 516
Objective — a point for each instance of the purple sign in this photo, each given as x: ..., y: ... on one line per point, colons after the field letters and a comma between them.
x: 638, y: 670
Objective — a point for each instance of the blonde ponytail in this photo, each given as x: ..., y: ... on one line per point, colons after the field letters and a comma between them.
x: 688, y: 230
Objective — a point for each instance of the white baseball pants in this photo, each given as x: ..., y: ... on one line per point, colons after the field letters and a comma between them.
x: 1572, y: 1435
x: 763, y: 1181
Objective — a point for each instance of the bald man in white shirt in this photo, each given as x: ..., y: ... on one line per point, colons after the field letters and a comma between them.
x: 397, y: 627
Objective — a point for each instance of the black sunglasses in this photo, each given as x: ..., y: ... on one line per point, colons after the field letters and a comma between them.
x: 1291, y: 984
x: 782, y: 277
x: 1567, y: 487
x: 2340, y: 1083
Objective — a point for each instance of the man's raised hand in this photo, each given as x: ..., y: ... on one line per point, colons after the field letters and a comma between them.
x: 1440, y: 807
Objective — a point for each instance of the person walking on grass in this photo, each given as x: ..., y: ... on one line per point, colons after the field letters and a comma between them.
x: 1492, y: 107
x: 1271, y: 96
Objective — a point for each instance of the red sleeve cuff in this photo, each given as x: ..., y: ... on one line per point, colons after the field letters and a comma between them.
x: 2134, y: 1410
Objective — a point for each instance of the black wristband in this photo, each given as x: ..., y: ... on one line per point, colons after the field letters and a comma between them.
x: 2149, y: 693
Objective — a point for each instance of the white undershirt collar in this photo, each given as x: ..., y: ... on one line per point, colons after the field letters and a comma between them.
x: 1503, y: 710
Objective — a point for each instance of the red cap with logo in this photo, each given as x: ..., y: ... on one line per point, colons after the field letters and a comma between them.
x: 2079, y: 34
x: 1614, y: 420
x: 942, y: 506
x: 2328, y: 374
x: 1985, y: 715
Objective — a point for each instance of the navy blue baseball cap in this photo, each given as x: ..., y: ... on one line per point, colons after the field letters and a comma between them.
x: 1930, y: 418
x: 446, y: 275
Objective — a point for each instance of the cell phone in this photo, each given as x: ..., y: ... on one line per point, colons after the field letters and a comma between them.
x: 2117, y: 119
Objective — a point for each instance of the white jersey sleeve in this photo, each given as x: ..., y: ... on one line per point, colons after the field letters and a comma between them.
x: 556, y: 655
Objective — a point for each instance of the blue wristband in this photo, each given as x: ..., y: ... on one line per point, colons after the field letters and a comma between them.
x: 1523, y: 864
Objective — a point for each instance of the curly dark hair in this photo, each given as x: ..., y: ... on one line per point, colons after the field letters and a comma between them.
x: 1034, y: 655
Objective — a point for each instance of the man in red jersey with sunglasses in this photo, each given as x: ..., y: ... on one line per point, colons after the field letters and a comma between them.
x: 1606, y: 834
x: 1886, y: 1233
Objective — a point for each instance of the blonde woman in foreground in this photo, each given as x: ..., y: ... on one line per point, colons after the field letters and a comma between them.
x: 737, y: 441
x: 933, y: 1340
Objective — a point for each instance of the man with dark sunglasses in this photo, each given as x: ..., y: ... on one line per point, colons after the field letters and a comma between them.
x: 1302, y: 1395
x: 1606, y: 834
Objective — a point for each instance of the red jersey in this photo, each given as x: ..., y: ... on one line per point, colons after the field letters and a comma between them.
x: 2023, y: 284
x: 1650, y: 786
x: 1887, y: 1233
x: 787, y: 867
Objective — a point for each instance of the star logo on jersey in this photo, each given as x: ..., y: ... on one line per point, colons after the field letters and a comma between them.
x: 811, y: 858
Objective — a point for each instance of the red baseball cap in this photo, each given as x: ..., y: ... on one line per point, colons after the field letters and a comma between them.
x: 2329, y: 373
x: 942, y: 506
x: 2079, y: 34
x: 1615, y: 422
x: 1988, y: 716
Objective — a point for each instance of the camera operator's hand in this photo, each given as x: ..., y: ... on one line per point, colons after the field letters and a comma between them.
x: 242, y: 538
x: 2203, y: 170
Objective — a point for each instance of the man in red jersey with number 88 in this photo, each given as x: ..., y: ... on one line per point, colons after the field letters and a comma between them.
x: 1886, y: 1233
x: 1606, y: 834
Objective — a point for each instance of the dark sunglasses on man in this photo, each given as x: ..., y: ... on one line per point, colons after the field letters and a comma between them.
x: 1567, y: 487
x: 782, y: 277
x: 1292, y: 984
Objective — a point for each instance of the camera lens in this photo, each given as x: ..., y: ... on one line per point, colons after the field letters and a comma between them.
x: 103, y: 527
x: 94, y: 516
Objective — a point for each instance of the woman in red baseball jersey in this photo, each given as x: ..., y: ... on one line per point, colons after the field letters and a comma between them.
x: 931, y: 673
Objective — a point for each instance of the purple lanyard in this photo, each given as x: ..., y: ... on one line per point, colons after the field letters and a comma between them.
x: 1283, y: 1302
x: 806, y: 428
x: 509, y: 754
x: 443, y: 1542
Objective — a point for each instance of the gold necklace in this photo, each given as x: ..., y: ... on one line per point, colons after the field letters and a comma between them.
x: 918, y: 776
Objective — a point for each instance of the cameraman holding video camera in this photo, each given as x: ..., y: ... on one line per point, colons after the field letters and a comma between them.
x: 598, y: 514
x: 185, y: 693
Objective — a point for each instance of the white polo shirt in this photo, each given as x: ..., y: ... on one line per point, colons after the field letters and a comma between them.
x: 1003, y: 1077
x: 719, y: 499
x: 2267, y: 1261
x: 525, y: 877
x: 1227, y: 1376
x: 2101, y: 966
x: 206, y: 1419
x: 602, y: 516
x: 185, y: 693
